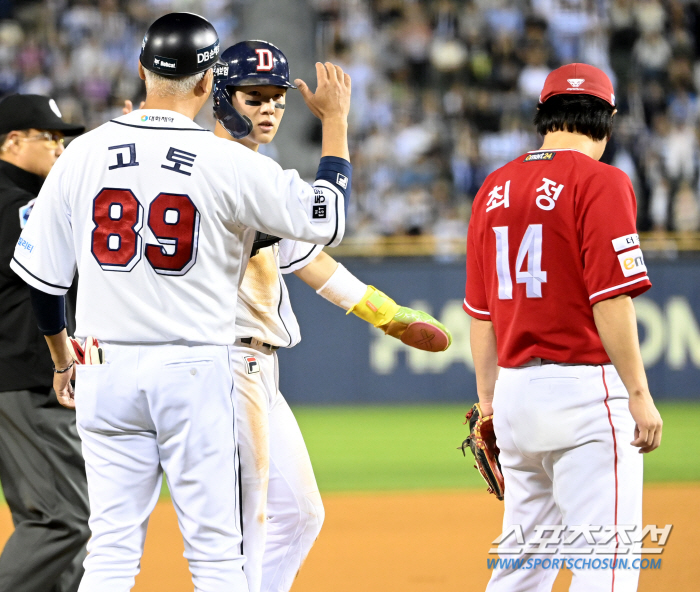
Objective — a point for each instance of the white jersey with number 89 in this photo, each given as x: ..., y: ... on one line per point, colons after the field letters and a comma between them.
x: 153, y: 210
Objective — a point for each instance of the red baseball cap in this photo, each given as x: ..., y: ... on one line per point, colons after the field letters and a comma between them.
x: 578, y: 79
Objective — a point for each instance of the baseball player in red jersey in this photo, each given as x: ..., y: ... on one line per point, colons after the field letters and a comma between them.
x: 553, y: 261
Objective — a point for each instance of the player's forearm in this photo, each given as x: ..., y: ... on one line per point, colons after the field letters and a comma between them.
x: 60, y: 354
x: 318, y: 271
x: 484, y: 353
x: 335, y: 137
x: 616, y: 322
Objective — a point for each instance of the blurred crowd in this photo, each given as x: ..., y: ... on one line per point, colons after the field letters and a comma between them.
x: 84, y: 52
x: 444, y: 91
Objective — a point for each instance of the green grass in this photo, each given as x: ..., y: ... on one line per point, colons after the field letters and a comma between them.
x: 678, y: 457
x: 387, y: 448
x: 414, y: 447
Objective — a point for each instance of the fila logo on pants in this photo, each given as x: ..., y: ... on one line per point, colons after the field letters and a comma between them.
x: 251, y: 364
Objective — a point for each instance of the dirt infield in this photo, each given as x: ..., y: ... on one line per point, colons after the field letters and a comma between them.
x: 419, y: 542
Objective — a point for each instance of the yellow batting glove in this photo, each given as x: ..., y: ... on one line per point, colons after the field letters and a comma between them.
x: 415, y: 328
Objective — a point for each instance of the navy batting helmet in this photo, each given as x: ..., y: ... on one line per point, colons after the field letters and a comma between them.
x: 180, y: 44
x: 248, y: 63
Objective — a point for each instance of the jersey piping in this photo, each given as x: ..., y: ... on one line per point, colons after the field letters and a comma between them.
x: 614, y: 439
x: 327, y: 184
x: 148, y: 127
x: 236, y: 470
x: 645, y: 277
x: 483, y: 312
x: 38, y: 278
x: 279, y: 314
x: 298, y: 260
x: 556, y: 150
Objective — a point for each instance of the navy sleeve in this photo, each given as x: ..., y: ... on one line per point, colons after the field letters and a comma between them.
x: 50, y: 311
x: 337, y: 171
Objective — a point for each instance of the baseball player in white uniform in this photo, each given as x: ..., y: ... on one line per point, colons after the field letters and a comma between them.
x: 282, y: 512
x: 155, y: 214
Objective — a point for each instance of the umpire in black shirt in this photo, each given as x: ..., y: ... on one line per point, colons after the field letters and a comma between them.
x: 41, y: 466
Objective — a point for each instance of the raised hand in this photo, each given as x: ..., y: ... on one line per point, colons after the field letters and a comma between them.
x: 332, y: 96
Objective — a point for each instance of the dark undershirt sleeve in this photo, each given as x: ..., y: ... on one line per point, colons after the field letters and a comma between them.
x: 337, y: 171
x: 50, y: 311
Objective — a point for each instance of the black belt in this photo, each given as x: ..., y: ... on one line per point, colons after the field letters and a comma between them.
x: 249, y: 341
x: 542, y: 362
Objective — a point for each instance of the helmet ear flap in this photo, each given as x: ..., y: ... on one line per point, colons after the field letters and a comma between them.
x: 235, y: 123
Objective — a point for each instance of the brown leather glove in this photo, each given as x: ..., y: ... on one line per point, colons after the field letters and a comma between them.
x: 482, y: 442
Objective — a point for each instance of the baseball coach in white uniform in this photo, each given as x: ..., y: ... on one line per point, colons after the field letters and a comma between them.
x: 156, y: 215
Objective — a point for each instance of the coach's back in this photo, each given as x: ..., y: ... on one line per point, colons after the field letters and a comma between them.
x: 153, y: 211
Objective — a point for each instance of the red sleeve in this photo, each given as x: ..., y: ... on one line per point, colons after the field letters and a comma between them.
x: 613, y: 263
x: 475, y: 303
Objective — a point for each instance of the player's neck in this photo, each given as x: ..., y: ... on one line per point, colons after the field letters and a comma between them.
x: 189, y: 107
x: 248, y: 144
x: 220, y: 132
x: 572, y: 141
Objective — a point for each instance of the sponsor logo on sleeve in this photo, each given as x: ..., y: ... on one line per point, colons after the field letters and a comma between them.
x: 251, y: 364
x: 24, y: 212
x: 208, y: 53
x: 165, y: 64
x: 319, y: 213
x: 632, y: 262
x: 537, y: 156
x: 625, y: 242
x: 25, y: 245
x: 342, y: 181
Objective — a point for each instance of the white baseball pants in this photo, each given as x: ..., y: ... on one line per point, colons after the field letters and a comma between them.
x: 282, y: 508
x: 149, y: 409
x: 564, y: 433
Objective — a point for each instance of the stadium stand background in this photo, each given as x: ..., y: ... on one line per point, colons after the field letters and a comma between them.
x: 444, y: 91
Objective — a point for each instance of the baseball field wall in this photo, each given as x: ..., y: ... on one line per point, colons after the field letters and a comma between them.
x: 343, y: 360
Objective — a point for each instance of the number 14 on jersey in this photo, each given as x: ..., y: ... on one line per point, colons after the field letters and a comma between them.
x: 531, y: 247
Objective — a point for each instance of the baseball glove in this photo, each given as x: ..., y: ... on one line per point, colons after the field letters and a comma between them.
x: 90, y: 353
x: 482, y: 442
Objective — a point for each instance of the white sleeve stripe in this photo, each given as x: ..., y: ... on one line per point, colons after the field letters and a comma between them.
x: 641, y: 279
x: 483, y: 312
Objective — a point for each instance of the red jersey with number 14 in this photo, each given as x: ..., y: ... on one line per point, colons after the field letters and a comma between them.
x: 551, y: 233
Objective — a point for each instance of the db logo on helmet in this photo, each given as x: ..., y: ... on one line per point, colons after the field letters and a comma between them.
x: 208, y: 53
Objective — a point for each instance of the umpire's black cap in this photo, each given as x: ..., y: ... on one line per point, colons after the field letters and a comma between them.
x: 23, y: 112
x: 180, y: 44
